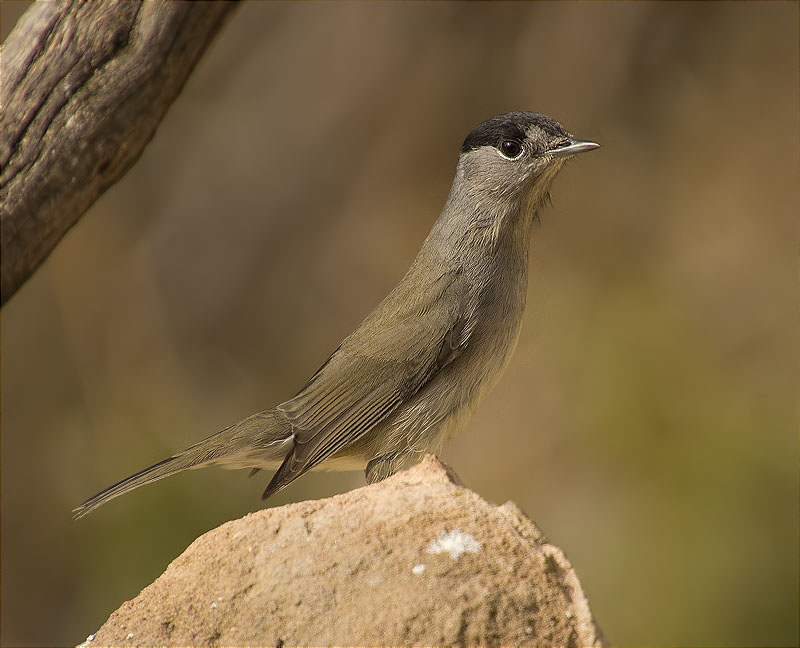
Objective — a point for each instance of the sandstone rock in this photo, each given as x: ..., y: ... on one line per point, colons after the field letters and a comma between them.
x: 415, y: 559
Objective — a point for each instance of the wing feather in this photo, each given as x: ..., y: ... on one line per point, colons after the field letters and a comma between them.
x: 392, y: 355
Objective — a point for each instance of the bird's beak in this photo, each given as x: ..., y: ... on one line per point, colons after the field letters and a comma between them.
x: 575, y: 146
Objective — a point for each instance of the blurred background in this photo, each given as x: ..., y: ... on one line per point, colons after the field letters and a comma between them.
x: 648, y: 421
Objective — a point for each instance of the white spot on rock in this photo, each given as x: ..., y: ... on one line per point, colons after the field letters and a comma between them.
x: 129, y: 635
x: 455, y: 543
x: 418, y: 569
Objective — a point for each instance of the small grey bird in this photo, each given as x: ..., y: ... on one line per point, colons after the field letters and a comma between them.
x: 411, y: 375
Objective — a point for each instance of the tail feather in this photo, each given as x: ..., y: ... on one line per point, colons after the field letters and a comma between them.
x: 257, y: 441
x: 153, y: 473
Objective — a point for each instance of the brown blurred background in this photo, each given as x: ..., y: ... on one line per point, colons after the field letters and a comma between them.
x: 649, y: 419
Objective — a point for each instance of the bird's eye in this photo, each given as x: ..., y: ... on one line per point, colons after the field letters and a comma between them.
x: 510, y: 149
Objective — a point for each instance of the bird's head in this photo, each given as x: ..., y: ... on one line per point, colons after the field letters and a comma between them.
x: 507, y: 164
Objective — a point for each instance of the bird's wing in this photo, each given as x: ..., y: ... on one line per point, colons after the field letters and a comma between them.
x: 390, y: 357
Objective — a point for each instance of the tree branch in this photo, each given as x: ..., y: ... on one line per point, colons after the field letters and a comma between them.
x: 85, y: 85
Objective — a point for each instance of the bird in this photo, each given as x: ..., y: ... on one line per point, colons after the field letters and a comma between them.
x: 412, y: 373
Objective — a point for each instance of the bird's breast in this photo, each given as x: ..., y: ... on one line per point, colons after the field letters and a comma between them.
x: 442, y: 408
x: 495, y: 335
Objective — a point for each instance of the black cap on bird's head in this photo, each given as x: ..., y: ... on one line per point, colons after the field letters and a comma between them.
x: 516, y: 133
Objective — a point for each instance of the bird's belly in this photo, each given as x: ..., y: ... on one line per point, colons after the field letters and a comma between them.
x: 443, y: 407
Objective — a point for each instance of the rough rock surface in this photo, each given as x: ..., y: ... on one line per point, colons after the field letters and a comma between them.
x: 416, y: 559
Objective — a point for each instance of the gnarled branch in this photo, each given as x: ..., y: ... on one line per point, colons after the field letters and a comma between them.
x: 85, y: 85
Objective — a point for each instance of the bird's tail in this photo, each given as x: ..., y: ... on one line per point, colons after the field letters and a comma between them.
x: 259, y: 441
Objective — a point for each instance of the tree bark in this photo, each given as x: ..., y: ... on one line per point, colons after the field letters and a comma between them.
x: 85, y: 85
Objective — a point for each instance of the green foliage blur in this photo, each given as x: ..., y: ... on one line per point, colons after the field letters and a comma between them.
x: 649, y: 419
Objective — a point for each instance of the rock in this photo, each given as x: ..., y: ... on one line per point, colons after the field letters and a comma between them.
x: 415, y: 559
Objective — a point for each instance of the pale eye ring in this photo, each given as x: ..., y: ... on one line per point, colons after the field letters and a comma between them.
x: 510, y: 149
